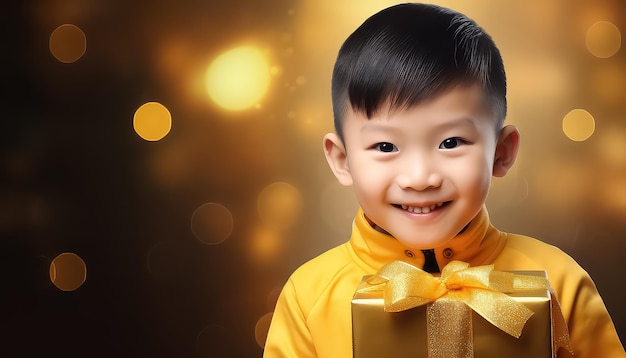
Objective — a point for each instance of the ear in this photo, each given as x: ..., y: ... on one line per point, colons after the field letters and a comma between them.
x: 506, y: 150
x: 337, y: 158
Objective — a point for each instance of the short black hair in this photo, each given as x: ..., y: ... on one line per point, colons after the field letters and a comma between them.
x: 409, y: 53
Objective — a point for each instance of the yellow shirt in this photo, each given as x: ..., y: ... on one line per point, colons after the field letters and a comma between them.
x: 312, y: 317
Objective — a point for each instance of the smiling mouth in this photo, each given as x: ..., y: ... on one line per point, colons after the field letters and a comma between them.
x: 420, y: 209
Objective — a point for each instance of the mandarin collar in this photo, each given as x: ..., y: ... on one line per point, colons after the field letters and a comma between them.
x: 479, y: 244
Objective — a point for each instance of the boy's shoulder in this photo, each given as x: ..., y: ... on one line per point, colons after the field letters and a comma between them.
x: 536, y: 249
x: 334, y: 272
x: 526, y: 253
x: 325, y: 266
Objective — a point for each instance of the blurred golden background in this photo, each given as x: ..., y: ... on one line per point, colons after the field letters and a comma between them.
x: 162, y: 172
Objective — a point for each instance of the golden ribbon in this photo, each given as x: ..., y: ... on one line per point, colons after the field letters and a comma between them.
x: 482, y: 288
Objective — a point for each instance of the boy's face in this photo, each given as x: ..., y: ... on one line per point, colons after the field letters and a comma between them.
x: 422, y: 174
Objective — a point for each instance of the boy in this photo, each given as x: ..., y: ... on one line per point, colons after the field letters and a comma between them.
x: 419, y: 99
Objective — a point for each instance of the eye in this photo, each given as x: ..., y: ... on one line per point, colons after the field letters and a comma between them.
x: 451, y: 143
x: 385, y: 147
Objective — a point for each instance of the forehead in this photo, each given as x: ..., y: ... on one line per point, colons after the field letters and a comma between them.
x: 457, y: 106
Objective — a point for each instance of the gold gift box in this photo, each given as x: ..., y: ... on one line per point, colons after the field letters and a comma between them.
x: 376, y: 333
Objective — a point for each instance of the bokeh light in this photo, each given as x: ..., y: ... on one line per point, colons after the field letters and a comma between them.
x: 301, y: 80
x: 279, y: 205
x: 603, y: 39
x: 152, y: 121
x: 238, y: 78
x: 261, y: 329
x: 68, y: 271
x: 212, y: 223
x: 578, y: 125
x: 68, y: 43
x: 265, y: 244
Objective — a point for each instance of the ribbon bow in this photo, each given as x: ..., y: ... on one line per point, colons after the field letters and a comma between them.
x: 481, y: 287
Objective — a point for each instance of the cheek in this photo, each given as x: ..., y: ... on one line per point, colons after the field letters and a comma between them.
x: 363, y: 169
x: 370, y: 182
x: 473, y: 174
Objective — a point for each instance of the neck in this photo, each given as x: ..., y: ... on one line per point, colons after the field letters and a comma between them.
x: 383, y: 231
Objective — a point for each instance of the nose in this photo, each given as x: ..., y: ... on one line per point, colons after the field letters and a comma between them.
x: 419, y: 174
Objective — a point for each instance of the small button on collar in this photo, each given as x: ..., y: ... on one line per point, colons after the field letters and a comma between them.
x: 409, y: 253
x: 448, y: 253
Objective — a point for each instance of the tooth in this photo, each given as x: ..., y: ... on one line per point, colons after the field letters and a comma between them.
x: 404, y: 207
x: 425, y: 210
x: 432, y: 207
